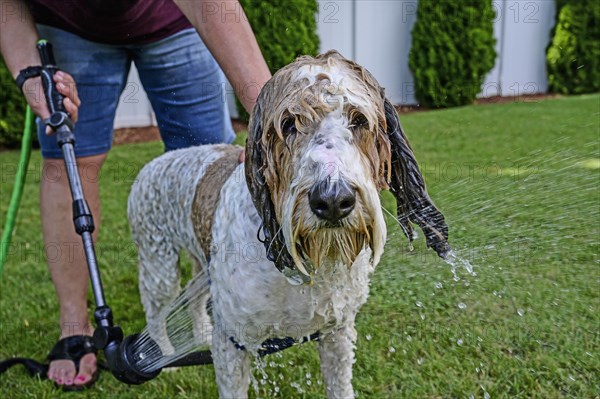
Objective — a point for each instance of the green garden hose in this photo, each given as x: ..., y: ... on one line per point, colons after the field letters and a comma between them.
x: 15, y: 198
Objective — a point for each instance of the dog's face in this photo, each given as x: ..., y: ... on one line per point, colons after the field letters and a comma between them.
x: 320, y: 149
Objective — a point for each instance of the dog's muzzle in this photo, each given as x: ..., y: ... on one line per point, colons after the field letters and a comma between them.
x: 332, y: 200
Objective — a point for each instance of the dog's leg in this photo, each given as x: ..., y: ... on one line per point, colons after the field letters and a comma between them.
x: 337, y: 357
x: 159, y: 285
x: 201, y: 325
x: 232, y: 367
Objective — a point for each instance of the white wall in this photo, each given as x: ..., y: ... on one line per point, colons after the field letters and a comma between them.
x: 382, y: 34
x: 376, y: 34
x: 522, y: 30
x: 134, y: 108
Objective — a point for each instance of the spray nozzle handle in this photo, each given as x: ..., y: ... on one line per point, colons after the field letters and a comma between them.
x: 59, y: 116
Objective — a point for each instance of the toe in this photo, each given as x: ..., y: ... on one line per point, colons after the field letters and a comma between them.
x: 61, y: 372
x: 60, y: 376
x: 87, y: 368
x: 69, y: 375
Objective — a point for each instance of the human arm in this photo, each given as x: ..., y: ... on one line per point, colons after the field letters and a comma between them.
x: 18, y: 38
x: 225, y: 30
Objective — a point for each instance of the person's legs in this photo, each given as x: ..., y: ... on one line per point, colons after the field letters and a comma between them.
x: 69, y: 271
x: 187, y: 90
x: 99, y: 72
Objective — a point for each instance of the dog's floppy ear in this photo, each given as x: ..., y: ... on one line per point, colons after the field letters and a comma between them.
x: 255, y: 163
x: 408, y: 186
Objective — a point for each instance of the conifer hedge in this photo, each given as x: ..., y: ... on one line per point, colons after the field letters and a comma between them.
x: 452, y: 51
x: 573, y: 56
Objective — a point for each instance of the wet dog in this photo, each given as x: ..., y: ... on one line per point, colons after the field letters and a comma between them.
x: 288, y: 239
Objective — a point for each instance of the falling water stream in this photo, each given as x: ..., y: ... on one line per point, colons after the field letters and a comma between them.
x: 185, y: 334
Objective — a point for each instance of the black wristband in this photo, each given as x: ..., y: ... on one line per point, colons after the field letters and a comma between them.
x: 24, y: 74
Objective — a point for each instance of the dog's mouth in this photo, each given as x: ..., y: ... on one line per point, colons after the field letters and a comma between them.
x: 332, y: 244
x: 317, y: 241
x: 333, y: 225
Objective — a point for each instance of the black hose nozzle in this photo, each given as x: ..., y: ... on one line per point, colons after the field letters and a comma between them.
x: 123, y: 361
x: 59, y: 118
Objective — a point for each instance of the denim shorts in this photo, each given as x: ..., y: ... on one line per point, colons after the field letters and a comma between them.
x: 183, y: 82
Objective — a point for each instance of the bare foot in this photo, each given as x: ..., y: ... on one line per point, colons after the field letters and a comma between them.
x: 63, y: 371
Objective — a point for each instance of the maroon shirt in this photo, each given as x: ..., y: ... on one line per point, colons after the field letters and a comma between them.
x: 112, y: 21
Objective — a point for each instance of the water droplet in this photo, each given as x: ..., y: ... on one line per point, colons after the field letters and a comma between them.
x: 520, y: 312
x: 297, y: 386
x: 462, y: 305
x: 454, y: 261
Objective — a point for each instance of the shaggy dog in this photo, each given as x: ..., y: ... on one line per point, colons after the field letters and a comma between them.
x: 288, y: 249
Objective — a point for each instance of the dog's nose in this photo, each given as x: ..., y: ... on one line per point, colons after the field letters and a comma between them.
x: 332, y: 201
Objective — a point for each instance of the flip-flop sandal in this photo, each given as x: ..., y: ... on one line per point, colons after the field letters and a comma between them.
x: 74, y: 348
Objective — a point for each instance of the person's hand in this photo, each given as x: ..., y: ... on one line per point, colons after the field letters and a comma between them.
x: 65, y: 84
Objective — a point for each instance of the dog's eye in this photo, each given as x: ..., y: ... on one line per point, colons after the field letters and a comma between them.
x: 289, y: 126
x: 359, y: 121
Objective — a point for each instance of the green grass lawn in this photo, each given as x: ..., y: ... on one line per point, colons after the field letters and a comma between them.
x: 519, y: 184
